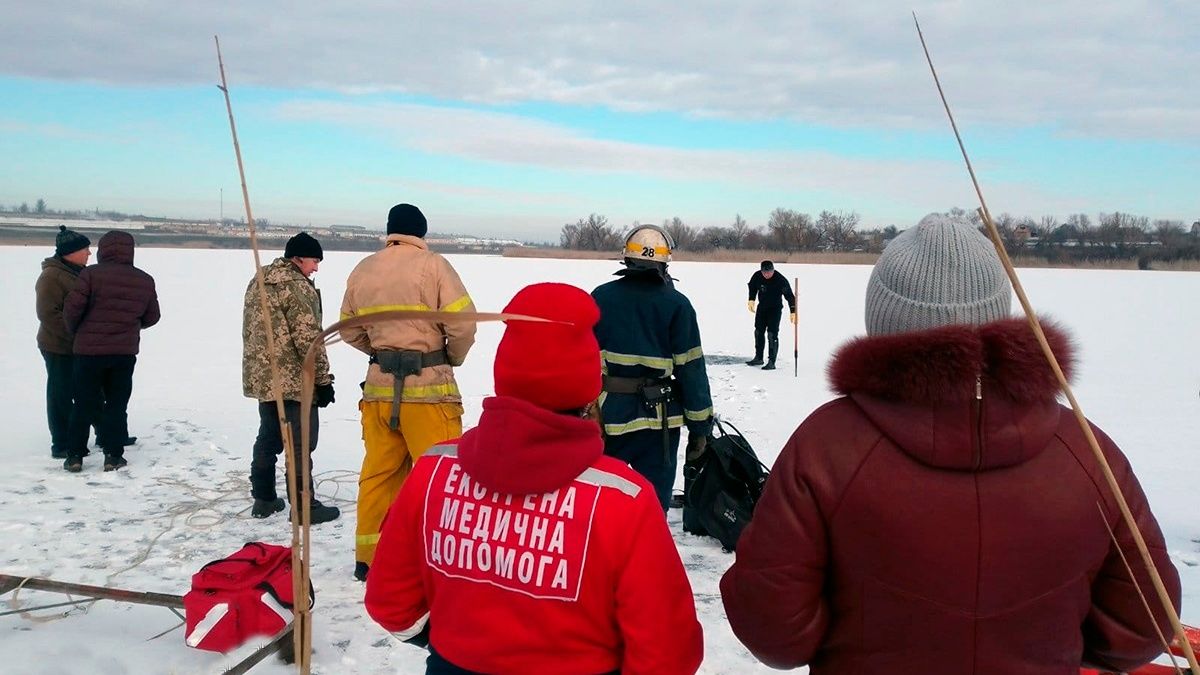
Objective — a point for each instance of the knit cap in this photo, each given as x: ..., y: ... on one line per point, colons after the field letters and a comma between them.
x: 407, y: 219
x: 941, y: 272
x: 303, y: 245
x: 555, y: 366
x: 67, y: 241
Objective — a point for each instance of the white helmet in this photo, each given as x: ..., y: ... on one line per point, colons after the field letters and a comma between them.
x: 649, y: 243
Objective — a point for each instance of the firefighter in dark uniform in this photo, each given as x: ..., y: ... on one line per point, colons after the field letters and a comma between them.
x: 769, y: 290
x: 654, y: 376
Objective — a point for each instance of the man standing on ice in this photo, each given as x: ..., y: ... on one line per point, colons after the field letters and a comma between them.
x: 59, y: 274
x: 110, y: 305
x: 654, y: 376
x: 946, y: 515
x: 521, y: 548
x: 410, y: 398
x: 768, y: 291
x: 294, y: 306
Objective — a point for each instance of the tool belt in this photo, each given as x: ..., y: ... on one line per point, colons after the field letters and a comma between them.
x: 655, y: 392
x: 400, y: 364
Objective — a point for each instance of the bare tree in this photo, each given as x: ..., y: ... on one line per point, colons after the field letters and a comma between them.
x: 738, y: 231
x: 790, y: 230
x: 40, y: 206
x: 682, y: 234
x: 837, y: 229
x: 23, y: 208
x: 1169, y: 232
x: 590, y: 234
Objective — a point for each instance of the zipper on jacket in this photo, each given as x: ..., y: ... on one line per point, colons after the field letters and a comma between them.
x: 977, y: 408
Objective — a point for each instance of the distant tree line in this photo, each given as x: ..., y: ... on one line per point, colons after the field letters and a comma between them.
x: 786, y: 230
x: 1113, y: 236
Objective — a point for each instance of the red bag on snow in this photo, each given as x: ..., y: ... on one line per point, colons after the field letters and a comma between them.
x: 245, y: 595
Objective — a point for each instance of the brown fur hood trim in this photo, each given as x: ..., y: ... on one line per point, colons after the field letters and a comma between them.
x: 940, y: 364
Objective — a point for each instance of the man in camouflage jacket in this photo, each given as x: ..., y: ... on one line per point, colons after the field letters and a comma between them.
x: 294, y: 305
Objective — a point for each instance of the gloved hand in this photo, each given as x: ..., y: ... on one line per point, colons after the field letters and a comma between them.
x: 695, y: 446
x: 323, y: 395
x: 793, y: 318
x: 750, y: 305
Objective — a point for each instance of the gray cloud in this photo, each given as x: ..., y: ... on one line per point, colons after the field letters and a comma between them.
x: 1107, y: 69
x: 909, y: 185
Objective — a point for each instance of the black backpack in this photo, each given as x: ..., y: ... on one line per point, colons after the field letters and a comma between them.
x: 721, y: 486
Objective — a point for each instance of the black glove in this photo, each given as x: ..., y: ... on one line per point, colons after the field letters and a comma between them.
x: 695, y: 446
x: 324, y: 394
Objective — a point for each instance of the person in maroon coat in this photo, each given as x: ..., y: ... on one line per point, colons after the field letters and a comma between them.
x: 946, y: 514
x: 110, y: 305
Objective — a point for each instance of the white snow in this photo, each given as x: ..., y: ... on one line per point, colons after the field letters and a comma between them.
x: 184, y: 498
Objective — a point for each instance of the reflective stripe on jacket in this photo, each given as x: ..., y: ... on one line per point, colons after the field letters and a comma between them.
x: 407, y: 275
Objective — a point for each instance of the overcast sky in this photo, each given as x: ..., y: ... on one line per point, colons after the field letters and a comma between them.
x: 513, y: 118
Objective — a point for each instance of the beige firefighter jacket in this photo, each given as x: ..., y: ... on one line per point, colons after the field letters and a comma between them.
x: 407, y: 275
x: 295, y: 308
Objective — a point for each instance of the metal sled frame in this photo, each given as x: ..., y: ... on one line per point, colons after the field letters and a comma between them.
x: 174, y: 603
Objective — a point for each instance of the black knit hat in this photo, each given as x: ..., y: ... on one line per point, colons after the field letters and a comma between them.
x: 67, y: 241
x: 407, y: 219
x: 767, y: 266
x: 303, y: 245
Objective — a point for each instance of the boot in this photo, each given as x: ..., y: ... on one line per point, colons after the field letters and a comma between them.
x: 321, y: 513
x: 130, y: 440
x: 114, y: 462
x: 267, y: 507
x: 360, y: 570
x: 772, y: 353
x: 73, y: 463
x: 758, y: 350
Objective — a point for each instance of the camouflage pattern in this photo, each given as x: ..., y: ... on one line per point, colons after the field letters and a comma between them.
x: 294, y: 304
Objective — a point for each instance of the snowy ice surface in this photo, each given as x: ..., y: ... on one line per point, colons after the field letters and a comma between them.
x: 184, y: 500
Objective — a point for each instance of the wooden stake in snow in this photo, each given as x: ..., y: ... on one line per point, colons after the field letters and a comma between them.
x: 1036, y: 326
x: 796, y: 332
x: 302, y: 635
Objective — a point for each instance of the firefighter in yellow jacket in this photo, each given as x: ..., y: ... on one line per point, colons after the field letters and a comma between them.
x: 410, y: 399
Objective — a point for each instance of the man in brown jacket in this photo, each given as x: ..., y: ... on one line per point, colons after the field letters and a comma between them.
x: 410, y: 399
x: 59, y: 274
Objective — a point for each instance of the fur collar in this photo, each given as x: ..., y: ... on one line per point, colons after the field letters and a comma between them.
x: 940, y: 365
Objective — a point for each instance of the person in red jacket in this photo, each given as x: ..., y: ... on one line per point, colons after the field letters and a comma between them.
x: 521, y: 547
x: 945, y: 515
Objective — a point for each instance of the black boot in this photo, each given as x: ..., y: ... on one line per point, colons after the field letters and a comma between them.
x: 267, y: 507
x: 114, y: 462
x: 360, y: 570
x: 772, y: 353
x: 321, y: 513
x: 73, y: 463
x: 758, y: 350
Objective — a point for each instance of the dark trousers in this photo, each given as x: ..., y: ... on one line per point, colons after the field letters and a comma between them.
x: 643, y: 450
x: 102, y: 386
x: 269, y: 444
x: 59, y: 398
x: 766, y: 327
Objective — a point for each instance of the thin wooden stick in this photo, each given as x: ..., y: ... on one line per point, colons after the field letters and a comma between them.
x: 299, y: 515
x: 796, y: 332
x: 1036, y: 326
x: 1162, y: 639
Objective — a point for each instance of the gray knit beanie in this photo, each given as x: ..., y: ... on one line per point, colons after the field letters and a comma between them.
x: 939, y: 273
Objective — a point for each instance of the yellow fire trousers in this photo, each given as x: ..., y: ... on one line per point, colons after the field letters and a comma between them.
x: 390, y: 457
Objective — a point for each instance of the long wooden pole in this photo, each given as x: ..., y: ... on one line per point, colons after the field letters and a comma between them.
x: 796, y: 332
x: 300, y: 558
x: 1036, y: 326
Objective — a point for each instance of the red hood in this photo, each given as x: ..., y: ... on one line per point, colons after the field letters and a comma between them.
x: 919, y: 388
x: 518, y: 448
